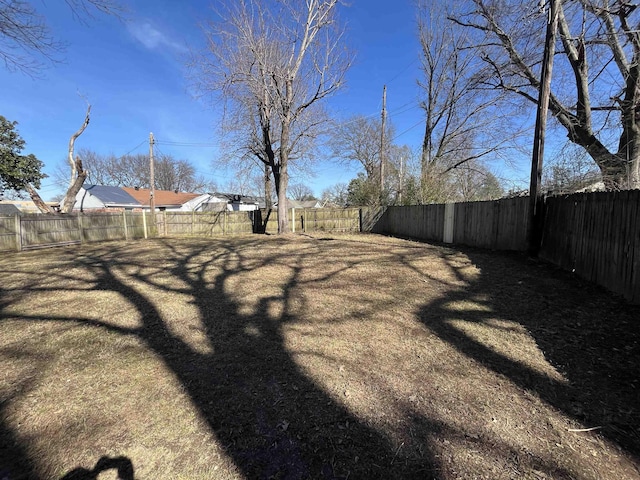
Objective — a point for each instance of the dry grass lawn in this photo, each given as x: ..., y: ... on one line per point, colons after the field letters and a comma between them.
x: 296, y: 357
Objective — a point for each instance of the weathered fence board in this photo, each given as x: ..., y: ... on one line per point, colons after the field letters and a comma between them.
x: 23, y: 232
x: 206, y: 223
x: 317, y: 220
x: 371, y: 219
x: 597, y: 236
x: 234, y: 223
x: 499, y: 224
x: 37, y: 231
x: 9, y: 232
x: 425, y: 222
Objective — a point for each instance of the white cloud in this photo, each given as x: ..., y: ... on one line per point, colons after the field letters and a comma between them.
x: 154, y: 39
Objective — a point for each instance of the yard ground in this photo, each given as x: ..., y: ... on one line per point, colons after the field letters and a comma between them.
x: 360, y: 357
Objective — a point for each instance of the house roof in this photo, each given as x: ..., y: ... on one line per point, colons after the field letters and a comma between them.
x: 111, y: 195
x: 163, y: 198
x: 8, y: 209
x: 303, y: 203
x: 26, y: 206
x: 236, y: 198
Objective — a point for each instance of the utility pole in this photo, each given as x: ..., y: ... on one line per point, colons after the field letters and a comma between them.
x: 152, y: 182
x: 382, y: 152
x: 535, y: 193
x: 401, y: 180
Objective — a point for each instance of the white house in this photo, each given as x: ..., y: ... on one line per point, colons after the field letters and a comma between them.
x: 217, y: 202
x: 104, y: 197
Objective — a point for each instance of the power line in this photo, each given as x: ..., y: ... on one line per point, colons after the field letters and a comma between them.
x: 404, y: 70
x: 408, y: 130
x: 133, y: 149
x: 186, y: 144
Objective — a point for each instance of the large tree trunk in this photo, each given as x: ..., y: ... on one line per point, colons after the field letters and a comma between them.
x: 285, y: 137
x: 70, y: 198
x: 78, y: 175
x: 281, y: 188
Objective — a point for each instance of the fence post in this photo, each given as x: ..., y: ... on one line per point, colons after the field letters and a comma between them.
x: 80, y: 229
x: 293, y: 220
x: 124, y: 219
x: 144, y: 223
x: 449, y: 220
x: 224, y: 223
x: 193, y: 222
x: 164, y: 217
x: 18, y: 224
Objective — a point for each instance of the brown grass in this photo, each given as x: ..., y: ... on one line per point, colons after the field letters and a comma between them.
x: 300, y: 357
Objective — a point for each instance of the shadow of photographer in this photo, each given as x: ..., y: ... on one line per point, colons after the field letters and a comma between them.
x: 122, y: 465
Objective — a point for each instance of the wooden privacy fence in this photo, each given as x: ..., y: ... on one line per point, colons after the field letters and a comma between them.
x: 594, y: 235
x: 597, y: 236
x: 23, y: 232
x: 235, y: 223
x: 204, y: 223
x: 500, y: 224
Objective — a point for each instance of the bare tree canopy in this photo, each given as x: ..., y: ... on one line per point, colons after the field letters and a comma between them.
x: 595, y: 94
x: 25, y: 38
x: 335, y: 195
x: 358, y: 140
x: 462, y: 120
x: 271, y: 63
x: 301, y: 192
x: 133, y: 171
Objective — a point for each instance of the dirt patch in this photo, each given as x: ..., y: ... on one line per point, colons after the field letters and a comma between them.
x: 311, y: 357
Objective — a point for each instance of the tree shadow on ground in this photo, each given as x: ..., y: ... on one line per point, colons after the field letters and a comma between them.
x: 592, y: 339
x: 271, y: 418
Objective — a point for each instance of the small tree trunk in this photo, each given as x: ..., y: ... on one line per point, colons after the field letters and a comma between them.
x: 37, y: 199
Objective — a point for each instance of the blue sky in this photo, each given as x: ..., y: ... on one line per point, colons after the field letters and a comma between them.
x: 133, y: 74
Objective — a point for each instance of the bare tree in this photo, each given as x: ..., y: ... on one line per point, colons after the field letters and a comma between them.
x: 358, y: 140
x: 335, y: 195
x: 272, y: 63
x: 301, y: 192
x: 78, y: 174
x: 595, y: 94
x: 474, y: 182
x: 571, y: 170
x: 461, y: 118
x: 25, y: 38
